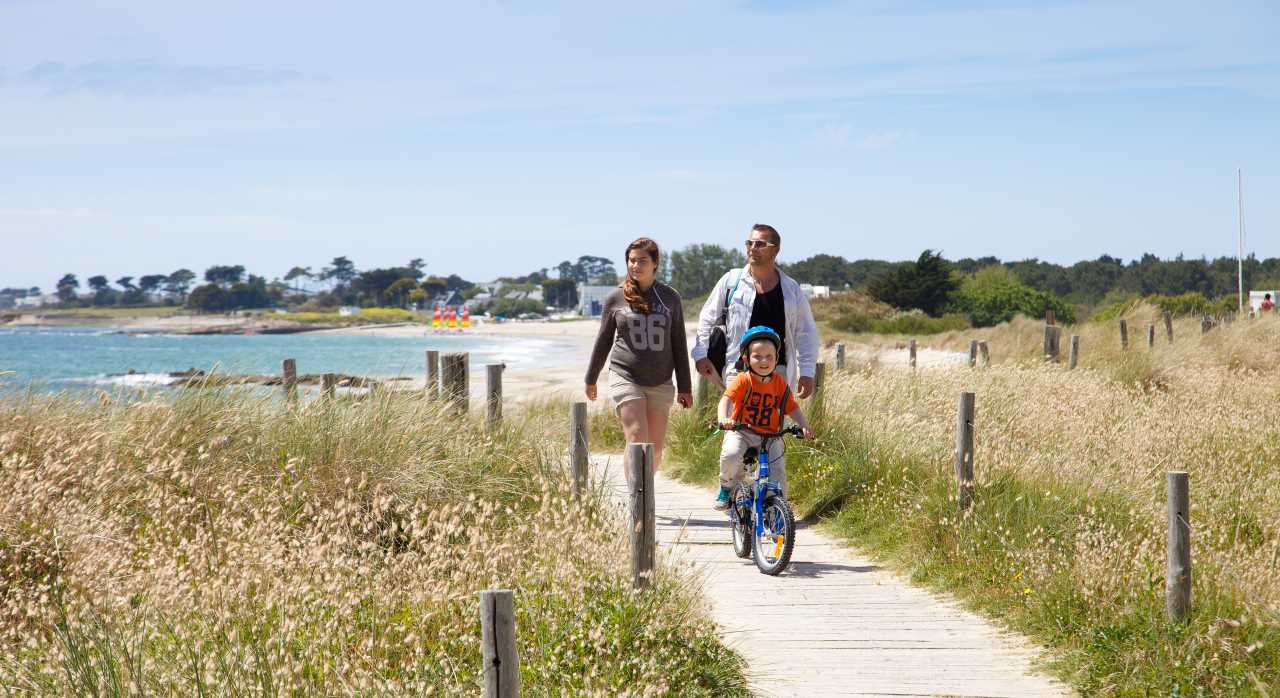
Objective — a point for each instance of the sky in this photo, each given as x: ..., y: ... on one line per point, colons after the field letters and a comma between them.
x: 495, y: 138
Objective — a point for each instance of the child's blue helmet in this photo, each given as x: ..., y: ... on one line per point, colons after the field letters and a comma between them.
x: 759, y: 332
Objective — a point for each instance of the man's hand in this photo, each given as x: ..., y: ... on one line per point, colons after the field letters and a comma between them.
x: 805, y: 388
x: 705, y: 369
x: 685, y: 400
x: 808, y: 433
x: 591, y: 392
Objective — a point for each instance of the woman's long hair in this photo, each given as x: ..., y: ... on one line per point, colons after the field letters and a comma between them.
x: 637, y: 299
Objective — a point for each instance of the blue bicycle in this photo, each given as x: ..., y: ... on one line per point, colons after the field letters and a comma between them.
x: 763, y: 524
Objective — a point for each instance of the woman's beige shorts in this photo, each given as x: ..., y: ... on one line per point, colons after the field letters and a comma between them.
x: 621, y: 390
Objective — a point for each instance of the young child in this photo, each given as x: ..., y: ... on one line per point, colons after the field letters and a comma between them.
x: 760, y: 399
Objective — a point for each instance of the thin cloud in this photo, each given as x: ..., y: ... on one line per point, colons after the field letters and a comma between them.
x: 149, y: 79
x: 880, y: 141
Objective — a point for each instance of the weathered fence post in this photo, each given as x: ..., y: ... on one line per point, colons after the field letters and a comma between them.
x: 819, y: 378
x: 328, y: 386
x: 839, y: 357
x: 1124, y: 335
x: 973, y: 353
x: 1229, y: 318
x: 1168, y: 325
x: 493, y: 393
x: 911, y: 355
x: 643, y: 531
x: 433, y: 374
x: 454, y: 378
x: 1074, y: 354
x: 1151, y: 337
x: 578, y: 447
x: 982, y: 352
x: 964, y: 449
x: 1205, y: 324
x: 1053, y: 343
x: 1050, y: 317
x: 289, y: 369
x: 1177, y: 579
x: 498, y: 637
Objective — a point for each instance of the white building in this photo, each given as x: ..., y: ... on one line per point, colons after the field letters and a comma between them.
x: 811, y: 291
x: 591, y: 299
x: 36, y: 301
x: 348, y: 311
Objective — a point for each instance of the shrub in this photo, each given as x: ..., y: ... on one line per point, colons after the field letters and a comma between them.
x: 994, y: 295
x: 514, y: 307
x: 1192, y: 303
x: 925, y: 285
x: 915, y: 323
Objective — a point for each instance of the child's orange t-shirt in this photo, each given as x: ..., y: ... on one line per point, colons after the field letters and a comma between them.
x: 758, y: 403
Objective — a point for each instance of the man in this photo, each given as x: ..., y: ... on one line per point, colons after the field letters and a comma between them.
x: 761, y: 295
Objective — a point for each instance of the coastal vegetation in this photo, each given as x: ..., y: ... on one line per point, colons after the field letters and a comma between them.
x: 1065, y: 540
x: 217, y: 543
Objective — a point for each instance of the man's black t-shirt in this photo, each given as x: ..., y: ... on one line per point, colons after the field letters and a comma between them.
x: 768, y: 310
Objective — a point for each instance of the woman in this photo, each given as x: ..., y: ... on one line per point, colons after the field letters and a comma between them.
x: 643, y: 323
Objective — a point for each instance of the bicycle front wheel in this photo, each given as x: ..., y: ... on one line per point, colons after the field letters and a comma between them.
x: 742, y: 526
x: 773, y: 547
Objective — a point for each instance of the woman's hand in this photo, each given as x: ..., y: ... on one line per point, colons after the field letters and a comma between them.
x: 685, y: 400
x: 591, y: 392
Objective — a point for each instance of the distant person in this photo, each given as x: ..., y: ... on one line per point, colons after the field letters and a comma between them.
x: 1267, y: 305
x: 760, y: 399
x: 642, y: 336
x: 760, y: 295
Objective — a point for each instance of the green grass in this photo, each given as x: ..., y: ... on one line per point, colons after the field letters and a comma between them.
x: 375, y: 316
x: 1104, y: 640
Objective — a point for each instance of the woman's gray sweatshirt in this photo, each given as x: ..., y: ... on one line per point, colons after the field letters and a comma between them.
x: 646, y: 347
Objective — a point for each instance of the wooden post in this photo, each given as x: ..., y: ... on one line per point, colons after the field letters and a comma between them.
x: 578, y: 447
x: 964, y: 449
x: 1052, y: 343
x: 493, y: 393
x: 454, y: 378
x: 1151, y: 337
x: 1168, y: 325
x: 973, y: 353
x: 1229, y: 318
x: 819, y: 378
x: 643, y: 526
x: 498, y: 638
x: 289, y: 368
x: 328, y: 386
x: 1075, y: 351
x: 911, y: 356
x: 1177, y: 579
x: 839, y: 357
x: 983, y: 353
x: 433, y: 374
x: 1205, y: 324
x: 1124, y: 335
x: 1050, y: 318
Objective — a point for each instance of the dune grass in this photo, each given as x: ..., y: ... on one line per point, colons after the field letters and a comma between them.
x: 214, y: 543
x: 1066, y: 539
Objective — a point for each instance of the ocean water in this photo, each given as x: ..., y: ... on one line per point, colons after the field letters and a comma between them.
x: 90, y: 359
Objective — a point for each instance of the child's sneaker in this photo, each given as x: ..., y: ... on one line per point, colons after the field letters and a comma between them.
x: 722, y: 499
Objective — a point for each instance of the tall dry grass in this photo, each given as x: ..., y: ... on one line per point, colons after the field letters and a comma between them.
x: 216, y: 544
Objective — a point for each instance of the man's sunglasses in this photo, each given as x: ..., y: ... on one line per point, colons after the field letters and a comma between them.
x: 757, y: 244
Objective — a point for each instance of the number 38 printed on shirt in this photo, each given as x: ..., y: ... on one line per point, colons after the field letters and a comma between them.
x: 647, y: 332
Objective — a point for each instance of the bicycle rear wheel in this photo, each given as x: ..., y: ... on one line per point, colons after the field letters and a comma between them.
x: 773, y: 548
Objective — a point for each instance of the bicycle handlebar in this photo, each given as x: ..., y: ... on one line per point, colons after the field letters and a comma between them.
x: 792, y: 430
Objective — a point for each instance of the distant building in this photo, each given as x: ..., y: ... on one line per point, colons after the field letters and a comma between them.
x: 348, y: 311
x: 811, y: 291
x: 591, y: 299
x: 35, y: 301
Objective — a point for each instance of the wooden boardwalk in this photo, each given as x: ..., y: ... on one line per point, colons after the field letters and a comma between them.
x: 834, y: 624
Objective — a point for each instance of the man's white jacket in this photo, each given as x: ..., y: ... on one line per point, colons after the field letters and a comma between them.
x: 738, y: 285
